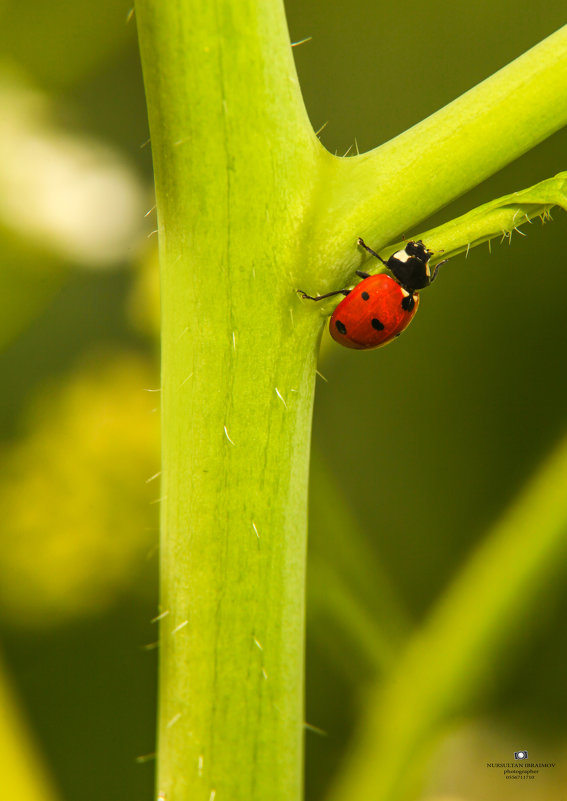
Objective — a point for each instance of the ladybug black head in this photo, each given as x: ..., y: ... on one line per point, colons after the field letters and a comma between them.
x: 419, y: 250
x: 410, y: 266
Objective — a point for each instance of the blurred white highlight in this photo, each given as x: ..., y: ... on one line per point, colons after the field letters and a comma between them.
x: 66, y: 192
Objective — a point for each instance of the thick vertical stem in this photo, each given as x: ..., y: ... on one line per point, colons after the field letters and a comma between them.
x: 233, y: 152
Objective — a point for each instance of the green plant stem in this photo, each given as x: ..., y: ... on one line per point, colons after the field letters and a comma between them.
x: 234, y: 159
x: 498, y: 218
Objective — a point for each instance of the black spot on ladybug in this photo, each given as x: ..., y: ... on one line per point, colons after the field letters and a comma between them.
x: 408, y: 303
x: 341, y: 327
x: 365, y: 296
x: 377, y: 324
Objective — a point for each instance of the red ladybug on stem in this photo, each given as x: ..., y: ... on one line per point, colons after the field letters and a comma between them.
x: 379, y: 308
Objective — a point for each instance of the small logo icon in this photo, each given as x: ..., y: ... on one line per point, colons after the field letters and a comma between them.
x: 520, y: 754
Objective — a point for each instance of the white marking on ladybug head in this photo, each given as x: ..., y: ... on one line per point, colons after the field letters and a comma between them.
x: 402, y: 256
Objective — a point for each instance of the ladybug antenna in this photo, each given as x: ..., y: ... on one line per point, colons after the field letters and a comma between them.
x: 363, y: 244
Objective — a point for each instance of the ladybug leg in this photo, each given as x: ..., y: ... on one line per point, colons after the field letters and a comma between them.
x: 436, y: 270
x: 362, y: 275
x: 363, y: 244
x: 322, y: 297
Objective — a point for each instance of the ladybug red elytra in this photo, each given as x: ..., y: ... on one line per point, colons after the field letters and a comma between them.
x: 379, y: 308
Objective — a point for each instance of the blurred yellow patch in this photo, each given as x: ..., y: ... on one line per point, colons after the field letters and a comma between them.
x: 79, y: 523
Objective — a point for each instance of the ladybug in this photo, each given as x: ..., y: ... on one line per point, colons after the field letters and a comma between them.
x: 379, y: 308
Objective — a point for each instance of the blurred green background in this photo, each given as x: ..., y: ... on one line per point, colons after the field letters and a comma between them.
x: 417, y: 447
